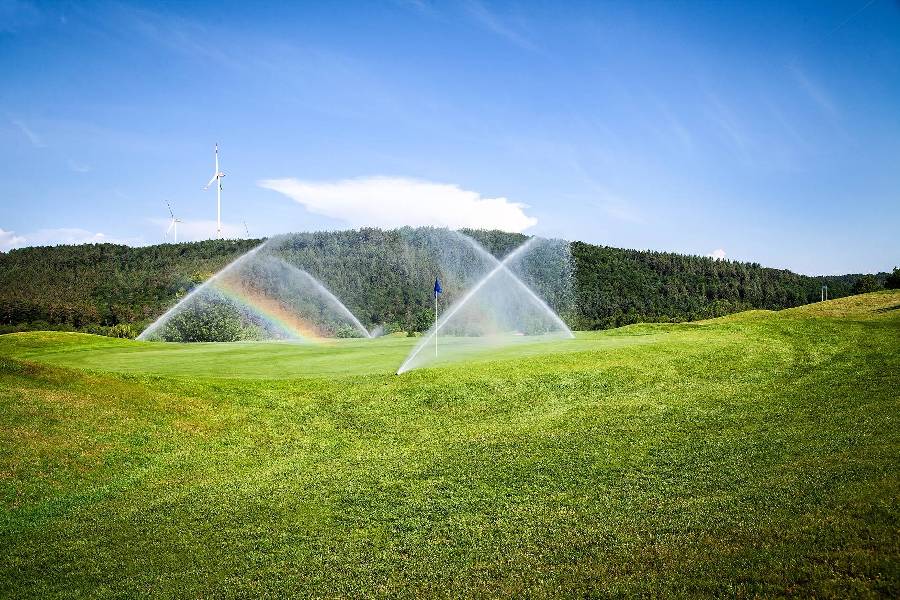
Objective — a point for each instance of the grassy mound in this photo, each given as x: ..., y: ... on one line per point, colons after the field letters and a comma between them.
x: 754, y: 454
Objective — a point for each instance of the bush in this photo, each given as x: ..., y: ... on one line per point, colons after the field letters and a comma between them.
x: 206, y: 320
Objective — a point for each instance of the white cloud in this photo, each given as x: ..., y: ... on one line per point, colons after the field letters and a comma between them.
x: 34, y: 138
x: 65, y: 235
x: 717, y: 254
x: 62, y: 235
x: 9, y: 240
x: 192, y: 231
x: 188, y: 231
x: 70, y: 235
x: 398, y: 201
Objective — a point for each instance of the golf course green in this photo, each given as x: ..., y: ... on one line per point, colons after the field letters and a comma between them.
x: 755, y: 454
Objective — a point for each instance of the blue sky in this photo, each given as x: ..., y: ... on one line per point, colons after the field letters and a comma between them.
x: 765, y: 132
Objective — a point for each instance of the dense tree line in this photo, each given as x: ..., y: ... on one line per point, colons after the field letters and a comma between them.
x: 616, y: 287
x: 104, y: 288
x: 385, y: 278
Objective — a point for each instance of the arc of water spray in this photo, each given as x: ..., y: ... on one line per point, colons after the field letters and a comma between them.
x: 230, y: 266
x: 498, y: 268
x: 166, y: 315
x: 480, y: 249
x: 327, y: 293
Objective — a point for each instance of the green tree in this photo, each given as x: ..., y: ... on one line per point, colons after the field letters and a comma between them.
x: 865, y: 284
x: 892, y: 282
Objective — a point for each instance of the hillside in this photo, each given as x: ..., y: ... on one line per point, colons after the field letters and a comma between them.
x: 753, y: 455
x: 117, y: 290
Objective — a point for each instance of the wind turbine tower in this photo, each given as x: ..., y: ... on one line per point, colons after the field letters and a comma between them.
x: 217, y: 177
x: 173, y: 224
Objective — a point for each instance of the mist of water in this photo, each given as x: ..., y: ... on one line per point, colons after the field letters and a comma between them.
x: 151, y: 331
x: 268, y: 293
x: 331, y: 301
x: 560, y: 263
x: 497, y: 310
x: 258, y: 296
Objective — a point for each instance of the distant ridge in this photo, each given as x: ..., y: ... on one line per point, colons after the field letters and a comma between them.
x: 116, y: 290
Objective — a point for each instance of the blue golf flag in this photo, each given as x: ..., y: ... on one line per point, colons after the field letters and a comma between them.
x: 437, y: 287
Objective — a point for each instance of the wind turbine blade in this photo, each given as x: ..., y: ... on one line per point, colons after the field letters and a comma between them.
x: 170, y: 210
x: 171, y: 225
x: 214, y: 177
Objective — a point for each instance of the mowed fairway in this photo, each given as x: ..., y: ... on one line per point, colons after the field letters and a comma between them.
x: 757, y: 454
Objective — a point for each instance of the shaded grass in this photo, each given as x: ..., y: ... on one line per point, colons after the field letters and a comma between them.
x: 751, y: 455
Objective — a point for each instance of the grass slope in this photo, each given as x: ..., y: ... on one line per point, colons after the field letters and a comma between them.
x: 754, y: 454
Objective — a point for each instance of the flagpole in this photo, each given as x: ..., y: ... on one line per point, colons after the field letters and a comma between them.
x: 437, y: 290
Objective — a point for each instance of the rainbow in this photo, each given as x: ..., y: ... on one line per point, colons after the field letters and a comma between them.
x: 270, y: 310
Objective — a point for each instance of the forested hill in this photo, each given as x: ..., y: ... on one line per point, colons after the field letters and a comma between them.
x: 616, y: 287
x: 116, y: 290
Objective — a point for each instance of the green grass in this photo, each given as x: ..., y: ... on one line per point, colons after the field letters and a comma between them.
x: 756, y: 454
x: 289, y: 360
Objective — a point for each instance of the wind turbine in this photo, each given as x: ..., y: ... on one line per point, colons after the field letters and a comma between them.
x: 173, y: 224
x: 217, y: 177
x: 247, y: 230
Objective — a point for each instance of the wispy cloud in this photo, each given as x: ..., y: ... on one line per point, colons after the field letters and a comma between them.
x: 621, y: 211
x: 59, y: 236
x: 33, y: 137
x: 398, y: 201
x: 418, y: 5
x: 614, y: 206
x: 850, y: 17
x: 728, y: 123
x: 78, y: 167
x: 67, y: 235
x: 497, y: 25
x: 787, y: 127
x: 297, y: 66
x: 718, y: 254
x: 187, y: 37
x: 678, y: 131
x: 814, y: 91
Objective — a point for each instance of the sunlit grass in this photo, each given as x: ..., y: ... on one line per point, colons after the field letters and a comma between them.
x: 754, y: 454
